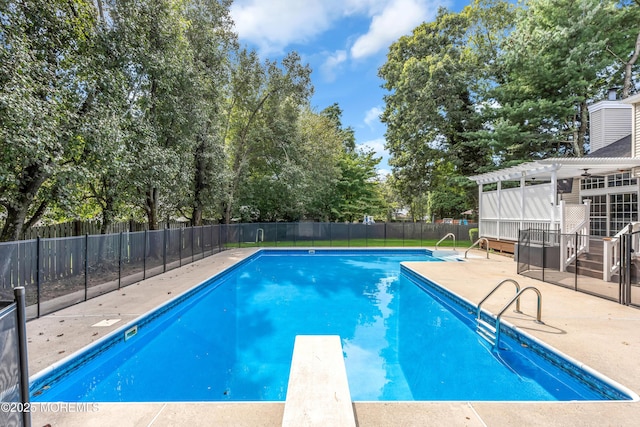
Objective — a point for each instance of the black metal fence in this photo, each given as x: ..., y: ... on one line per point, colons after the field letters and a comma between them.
x: 540, y: 253
x: 14, y: 375
x: 60, y: 272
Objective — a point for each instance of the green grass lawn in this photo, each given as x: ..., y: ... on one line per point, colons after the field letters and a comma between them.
x: 459, y: 244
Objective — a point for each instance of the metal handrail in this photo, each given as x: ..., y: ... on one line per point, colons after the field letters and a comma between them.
x: 448, y: 235
x: 517, y: 298
x: 476, y: 243
x: 495, y: 289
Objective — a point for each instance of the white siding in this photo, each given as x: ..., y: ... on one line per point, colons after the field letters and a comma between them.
x: 574, y: 196
x: 609, y: 121
x: 596, y: 130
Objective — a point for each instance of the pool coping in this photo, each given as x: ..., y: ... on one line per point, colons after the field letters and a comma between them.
x: 475, y: 271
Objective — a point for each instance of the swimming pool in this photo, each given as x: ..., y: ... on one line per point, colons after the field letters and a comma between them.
x: 232, y: 338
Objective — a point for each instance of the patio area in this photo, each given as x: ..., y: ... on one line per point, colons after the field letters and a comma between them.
x: 599, y: 333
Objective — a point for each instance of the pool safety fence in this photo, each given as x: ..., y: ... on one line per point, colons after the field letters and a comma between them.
x: 59, y: 272
x: 540, y: 254
x: 14, y: 375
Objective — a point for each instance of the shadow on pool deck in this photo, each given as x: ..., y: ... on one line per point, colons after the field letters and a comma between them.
x: 599, y: 333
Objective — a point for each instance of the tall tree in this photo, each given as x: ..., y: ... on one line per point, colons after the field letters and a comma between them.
x: 437, y: 78
x: 557, y: 62
x: 159, y: 65
x: 43, y: 51
x: 211, y: 41
x: 261, y: 114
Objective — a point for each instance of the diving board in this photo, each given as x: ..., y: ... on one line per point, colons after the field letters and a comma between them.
x: 318, y: 391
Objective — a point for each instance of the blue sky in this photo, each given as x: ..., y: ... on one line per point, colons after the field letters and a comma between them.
x: 345, y: 42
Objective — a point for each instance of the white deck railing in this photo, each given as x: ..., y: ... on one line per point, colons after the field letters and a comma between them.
x: 508, y: 229
x: 574, y: 239
x: 611, y: 251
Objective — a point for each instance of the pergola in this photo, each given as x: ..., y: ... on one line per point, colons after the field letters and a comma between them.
x: 502, y: 212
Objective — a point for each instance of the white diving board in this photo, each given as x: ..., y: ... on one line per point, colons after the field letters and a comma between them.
x: 318, y: 390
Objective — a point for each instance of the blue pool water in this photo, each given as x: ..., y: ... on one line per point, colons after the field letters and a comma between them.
x: 233, y: 340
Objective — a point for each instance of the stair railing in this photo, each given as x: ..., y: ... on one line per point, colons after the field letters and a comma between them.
x: 571, y: 248
x: 611, y: 251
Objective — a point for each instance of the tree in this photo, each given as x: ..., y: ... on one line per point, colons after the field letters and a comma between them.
x: 556, y: 62
x: 43, y: 51
x: 357, y: 190
x: 260, y: 116
x: 212, y: 40
x: 321, y: 146
x: 158, y: 62
x: 619, y: 42
x: 437, y: 78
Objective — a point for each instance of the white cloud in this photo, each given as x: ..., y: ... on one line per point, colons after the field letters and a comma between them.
x: 332, y: 63
x: 274, y: 24
x: 383, y: 174
x: 398, y: 18
x: 377, y: 145
x: 372, y: 116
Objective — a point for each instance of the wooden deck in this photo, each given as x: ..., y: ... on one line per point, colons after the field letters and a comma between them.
x: 502, y: 246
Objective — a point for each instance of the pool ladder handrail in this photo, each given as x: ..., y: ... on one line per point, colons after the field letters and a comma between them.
x: 446, y: 236
x: 482, y: 330
x: 517, y: 298
x: 517, y: 285
x: 476, y: 243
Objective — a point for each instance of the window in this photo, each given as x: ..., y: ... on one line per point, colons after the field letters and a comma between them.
x: 624, y: 209
x: 592, y: 182
x: 621, y: 179
x: 598, y: 215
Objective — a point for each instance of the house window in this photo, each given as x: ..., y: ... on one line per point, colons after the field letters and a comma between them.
x: 624, y: 209
x: 598, y: 215
x: 591, y: 183
x: 621, y: 179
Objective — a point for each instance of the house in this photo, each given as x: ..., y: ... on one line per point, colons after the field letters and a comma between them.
x: 594, y: 195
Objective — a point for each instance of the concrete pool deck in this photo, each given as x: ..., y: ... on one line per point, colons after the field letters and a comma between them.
x: 599, y: 333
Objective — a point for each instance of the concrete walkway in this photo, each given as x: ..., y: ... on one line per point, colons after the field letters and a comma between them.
x: 602, y: 334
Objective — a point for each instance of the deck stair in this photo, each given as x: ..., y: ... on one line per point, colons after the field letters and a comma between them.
x: 590, y: 264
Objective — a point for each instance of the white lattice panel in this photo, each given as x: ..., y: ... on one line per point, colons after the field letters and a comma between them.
x: 574, y: 215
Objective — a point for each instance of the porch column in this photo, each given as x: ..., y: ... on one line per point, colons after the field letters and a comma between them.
x: 554, y: 187
x: 522, y: 204
x: 480, y: 213
x: 499, y: 191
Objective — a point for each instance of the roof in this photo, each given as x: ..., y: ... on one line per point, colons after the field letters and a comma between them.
x: 564, y: 167
x: 619, y: 148
x: 633, y: 99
